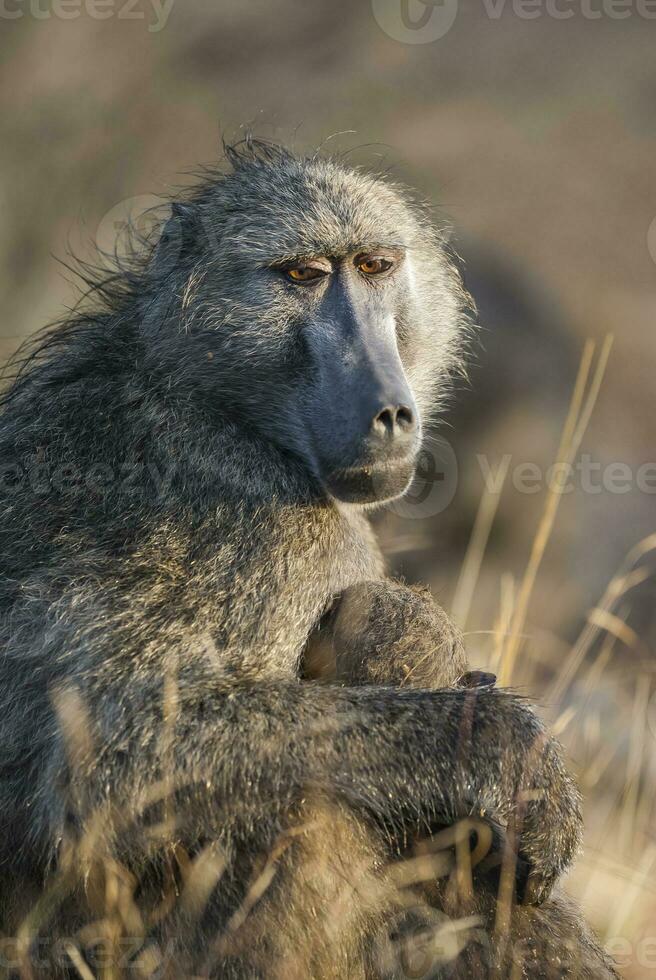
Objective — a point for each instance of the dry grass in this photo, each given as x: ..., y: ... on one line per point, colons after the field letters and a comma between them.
x: 600, y: 700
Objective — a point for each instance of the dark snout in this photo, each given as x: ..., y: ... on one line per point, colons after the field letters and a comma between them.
x: 384, y: 416
x: 378, y: 450
x: 365, y: 422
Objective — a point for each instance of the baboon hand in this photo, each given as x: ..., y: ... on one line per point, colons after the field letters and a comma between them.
x: 528, y: 787
x: 427, y: 759
x: 387, y: 633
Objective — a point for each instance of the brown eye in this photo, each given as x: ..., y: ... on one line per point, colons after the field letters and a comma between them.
x: 305, y: 273
x: 372, y: 266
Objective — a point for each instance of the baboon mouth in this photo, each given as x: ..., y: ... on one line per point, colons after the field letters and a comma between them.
x: 372, y: 483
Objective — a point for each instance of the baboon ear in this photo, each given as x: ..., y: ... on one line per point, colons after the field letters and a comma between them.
x: 180, y: 239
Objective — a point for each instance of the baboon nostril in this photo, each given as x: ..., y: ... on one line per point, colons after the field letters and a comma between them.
x: 394, y: 420
x: 405, y: 418
x: 384, y: 421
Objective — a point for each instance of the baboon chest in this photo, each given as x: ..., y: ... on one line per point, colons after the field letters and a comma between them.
x: 262, y: 577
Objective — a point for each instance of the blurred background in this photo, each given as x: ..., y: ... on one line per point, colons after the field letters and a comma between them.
x: 531, y: 130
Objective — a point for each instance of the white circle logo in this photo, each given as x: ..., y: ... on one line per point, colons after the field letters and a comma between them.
x: 651, y: 239
x: 415, y: 21
x: 435, y: 482
x: 130, y: 225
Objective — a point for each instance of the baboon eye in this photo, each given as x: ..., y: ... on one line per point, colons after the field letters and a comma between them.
x: 305, y: 273
x: 372, y: 265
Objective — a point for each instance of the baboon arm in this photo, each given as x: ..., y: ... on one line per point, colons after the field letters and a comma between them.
x: 242, y: 756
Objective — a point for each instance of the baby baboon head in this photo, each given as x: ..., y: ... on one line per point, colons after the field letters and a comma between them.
x: 319, y: 307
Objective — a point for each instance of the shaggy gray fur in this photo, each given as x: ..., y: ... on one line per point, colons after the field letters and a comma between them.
x: 165, y: 520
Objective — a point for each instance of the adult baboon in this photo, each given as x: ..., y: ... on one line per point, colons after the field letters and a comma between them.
x: 187, y: 464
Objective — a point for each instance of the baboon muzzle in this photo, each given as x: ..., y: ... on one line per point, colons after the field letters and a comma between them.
x: 365, y: 426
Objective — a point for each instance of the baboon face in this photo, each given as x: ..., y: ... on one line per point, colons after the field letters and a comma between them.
x: 361, y: 422
x: 333, y: 315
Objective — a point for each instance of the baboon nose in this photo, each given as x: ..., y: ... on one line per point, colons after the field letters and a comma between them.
x: 393, y: 421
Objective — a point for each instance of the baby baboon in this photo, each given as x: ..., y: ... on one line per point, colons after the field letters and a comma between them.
x: 187, y: 464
